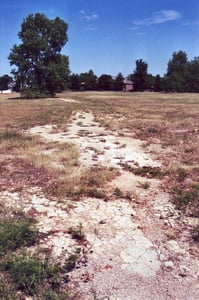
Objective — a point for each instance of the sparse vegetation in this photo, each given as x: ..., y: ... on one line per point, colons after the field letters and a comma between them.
x: 97, y: 193
x: 29, y: 273
x: 118, y: 193
x: 146, y: 171
x: 97, y: 177
x: 145, y: 185
x: 168, y: 120
x: 187, y: 198
x: 24, y: 274
x: 77, y: 233
x: 16, y: 233
x: 72, y: 260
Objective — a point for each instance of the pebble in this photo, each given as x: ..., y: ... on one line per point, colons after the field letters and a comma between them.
x: 173, y: 245
x: 162, y: 257
x: 169, y: 264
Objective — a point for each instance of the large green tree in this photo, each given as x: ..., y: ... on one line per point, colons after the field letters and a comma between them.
x: 140, y: 75
x: 177, y: 71
x: 158, y: 83
x: 105, y: 82
x: 41, y: 68
x: 5, y: 81
x: 75, y: 83
x: 89, y: 80
x: 119, y: 82
x: 192, y: 82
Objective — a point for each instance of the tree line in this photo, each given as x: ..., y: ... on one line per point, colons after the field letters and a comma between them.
x: 41, y: 70
x: 181, y: 76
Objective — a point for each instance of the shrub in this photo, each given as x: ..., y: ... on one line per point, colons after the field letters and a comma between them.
x: 28, y: 93
x: 77, y: 233
x: 118, y: 193
x: 97, y: 193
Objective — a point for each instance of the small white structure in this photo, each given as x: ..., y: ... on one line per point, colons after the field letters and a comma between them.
x: 6, y: 91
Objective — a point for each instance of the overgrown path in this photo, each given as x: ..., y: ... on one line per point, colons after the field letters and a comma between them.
x: 125, y: 230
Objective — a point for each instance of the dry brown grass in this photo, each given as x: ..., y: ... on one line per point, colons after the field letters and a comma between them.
x: 172, y: 120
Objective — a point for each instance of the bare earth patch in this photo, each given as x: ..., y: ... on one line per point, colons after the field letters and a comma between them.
x: 131, y: 250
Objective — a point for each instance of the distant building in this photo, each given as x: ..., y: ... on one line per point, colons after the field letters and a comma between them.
x: 127, y: 85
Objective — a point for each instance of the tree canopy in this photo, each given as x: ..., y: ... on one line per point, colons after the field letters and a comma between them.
x: 118, y: 82
x: 41, y: 68
x: 105, y: 82
x: 88, y: 80
x: 140, y: 74
x: 177, y: 72
x: 5, y: 81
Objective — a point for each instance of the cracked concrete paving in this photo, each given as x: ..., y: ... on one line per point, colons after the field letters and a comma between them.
x: 98, y: 146
x: 121, y: 260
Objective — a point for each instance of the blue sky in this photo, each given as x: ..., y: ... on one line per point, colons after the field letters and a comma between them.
x: 108, y: 36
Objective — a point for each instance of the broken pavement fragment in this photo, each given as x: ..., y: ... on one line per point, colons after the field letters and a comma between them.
x: 139, y: 257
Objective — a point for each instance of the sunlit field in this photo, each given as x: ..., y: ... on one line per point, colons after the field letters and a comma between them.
x: 168, y: 120
x: 167, y: 125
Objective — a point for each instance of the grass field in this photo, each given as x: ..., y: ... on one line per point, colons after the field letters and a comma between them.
x: 167, y: 123
x: 170, y: 120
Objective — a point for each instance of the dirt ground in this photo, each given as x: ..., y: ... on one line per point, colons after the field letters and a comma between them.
x: 132, y: 249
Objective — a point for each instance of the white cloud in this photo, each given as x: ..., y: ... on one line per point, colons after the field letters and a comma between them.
x: 88, y: 16
x: 159, y: 17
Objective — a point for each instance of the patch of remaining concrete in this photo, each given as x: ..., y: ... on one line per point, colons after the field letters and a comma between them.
x: 138, y: 256
x: 98, y: 146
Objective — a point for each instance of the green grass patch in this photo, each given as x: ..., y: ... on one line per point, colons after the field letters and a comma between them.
x: 15, y: 234
x: 30, y: 274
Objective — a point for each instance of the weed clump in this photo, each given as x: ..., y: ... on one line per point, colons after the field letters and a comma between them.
x: 23, y: 274
x: 118, y: 193
x: 29, y: 273
x: 187, y: 196
x: 97, y: 193
x: 72, y: 260
x: 97, y: 177
x: 77, y: 233
x: 15, y: 234
x: 32, y: 276
x: 145, y: 171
